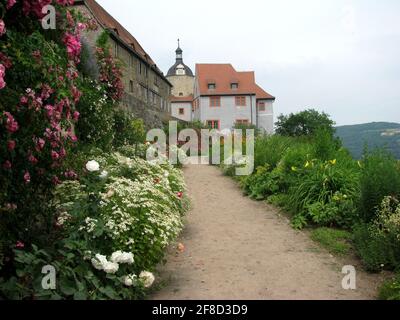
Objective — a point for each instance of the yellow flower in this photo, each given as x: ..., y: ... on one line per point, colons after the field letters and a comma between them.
x: 294, y: 169
x: 333, y: 162
x: 307, y: 164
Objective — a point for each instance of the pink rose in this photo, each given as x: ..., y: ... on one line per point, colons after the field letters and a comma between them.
x: 11, y: 145
x: 2, y: 75
x: 2, y: 28
x: 76, y: 116
x: 27, y: 177
x: 55, y: 155
x: 10, y: 4
x: 7, y: 165
x: 20, y: 245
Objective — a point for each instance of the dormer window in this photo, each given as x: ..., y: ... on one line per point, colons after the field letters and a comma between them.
x: 234, y: 86
x: 211, y: 86
x: 180, y: 70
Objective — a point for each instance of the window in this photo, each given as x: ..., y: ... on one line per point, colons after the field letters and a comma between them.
x: 261, y: 106
x: 131, y: 86
x: 181, y: 94
x: 140, y: 67
x: 240, y: 101
x: 213, y: 124
x: 234, y: 86
x: 155, y: 80
x: 116, y: 51
x: 181, y: 111
x: 242, y: 121
x: 215, y: 102
x: 212, y: 86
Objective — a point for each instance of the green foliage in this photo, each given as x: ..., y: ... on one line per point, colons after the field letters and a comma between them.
x: 378, y: 242
x: 325, y: 145
x: 390, y: 290
x: 304, y: 123
x: 128, y: 130
x: 380, y: 178
x: 270, y: 149
x: 263, y: 183
x: 325, y: 193
x: 336, y: 241
x: 96, y: 123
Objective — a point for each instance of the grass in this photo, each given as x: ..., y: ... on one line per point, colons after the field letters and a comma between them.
x: 335, y: 241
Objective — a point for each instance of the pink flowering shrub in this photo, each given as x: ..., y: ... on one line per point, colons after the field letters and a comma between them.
x: 38, y: 96
x: 110, y: 69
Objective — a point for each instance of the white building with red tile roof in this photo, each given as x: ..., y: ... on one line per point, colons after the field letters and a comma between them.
x: 224, y: 97
x: 219, y: 96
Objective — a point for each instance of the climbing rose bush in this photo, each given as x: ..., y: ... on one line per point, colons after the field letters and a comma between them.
x: 38, y: 96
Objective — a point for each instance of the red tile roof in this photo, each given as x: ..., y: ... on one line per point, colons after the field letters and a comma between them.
x: 109, y: 22
x: 182, y: 99
x: 223, y: 75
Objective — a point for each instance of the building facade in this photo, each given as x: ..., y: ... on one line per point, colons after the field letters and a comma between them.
x: 147, y: 90
x: 182, y: 79
x: 219, y: 96
x: 224, y: 97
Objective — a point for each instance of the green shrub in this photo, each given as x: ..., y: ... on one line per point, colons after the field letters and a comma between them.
x: 128, y: 131
x: 262, y: 183
x: 334, y: 240
x: 325, y: 193
x: 96, y: 123
x: 270, y: 149
x: 390, y: 290
x: 378, y: 242
x: 380, y: 178
x: 325, y: 145
x: 372, y: 248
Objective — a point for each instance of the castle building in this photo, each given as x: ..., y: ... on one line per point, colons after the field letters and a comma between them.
x: 147, y: 90
x: 224, y: 97
x: 219, y: 96
x: 182, y: 79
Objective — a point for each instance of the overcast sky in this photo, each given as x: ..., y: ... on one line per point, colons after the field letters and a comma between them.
x: 339, y: 56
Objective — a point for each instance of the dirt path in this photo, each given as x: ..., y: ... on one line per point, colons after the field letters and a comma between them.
x: 237, y: 248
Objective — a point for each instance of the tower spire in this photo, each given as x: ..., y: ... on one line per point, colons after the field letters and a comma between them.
x: 179, y: 56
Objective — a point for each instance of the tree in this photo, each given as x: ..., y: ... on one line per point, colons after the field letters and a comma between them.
x: 304, y: 123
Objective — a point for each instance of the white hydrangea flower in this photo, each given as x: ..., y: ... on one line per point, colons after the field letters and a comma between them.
x: 93, y: 166
x: 130, y: 280
x: 147, y: 278
x: 99, y: 261
x: 111, y: 267
x: 122, y: 257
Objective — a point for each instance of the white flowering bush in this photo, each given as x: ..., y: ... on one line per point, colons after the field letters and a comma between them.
x: 120, y: 218
x: 113, y: 225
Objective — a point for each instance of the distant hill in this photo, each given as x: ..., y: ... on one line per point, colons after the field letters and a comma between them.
x: 375, y: 134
